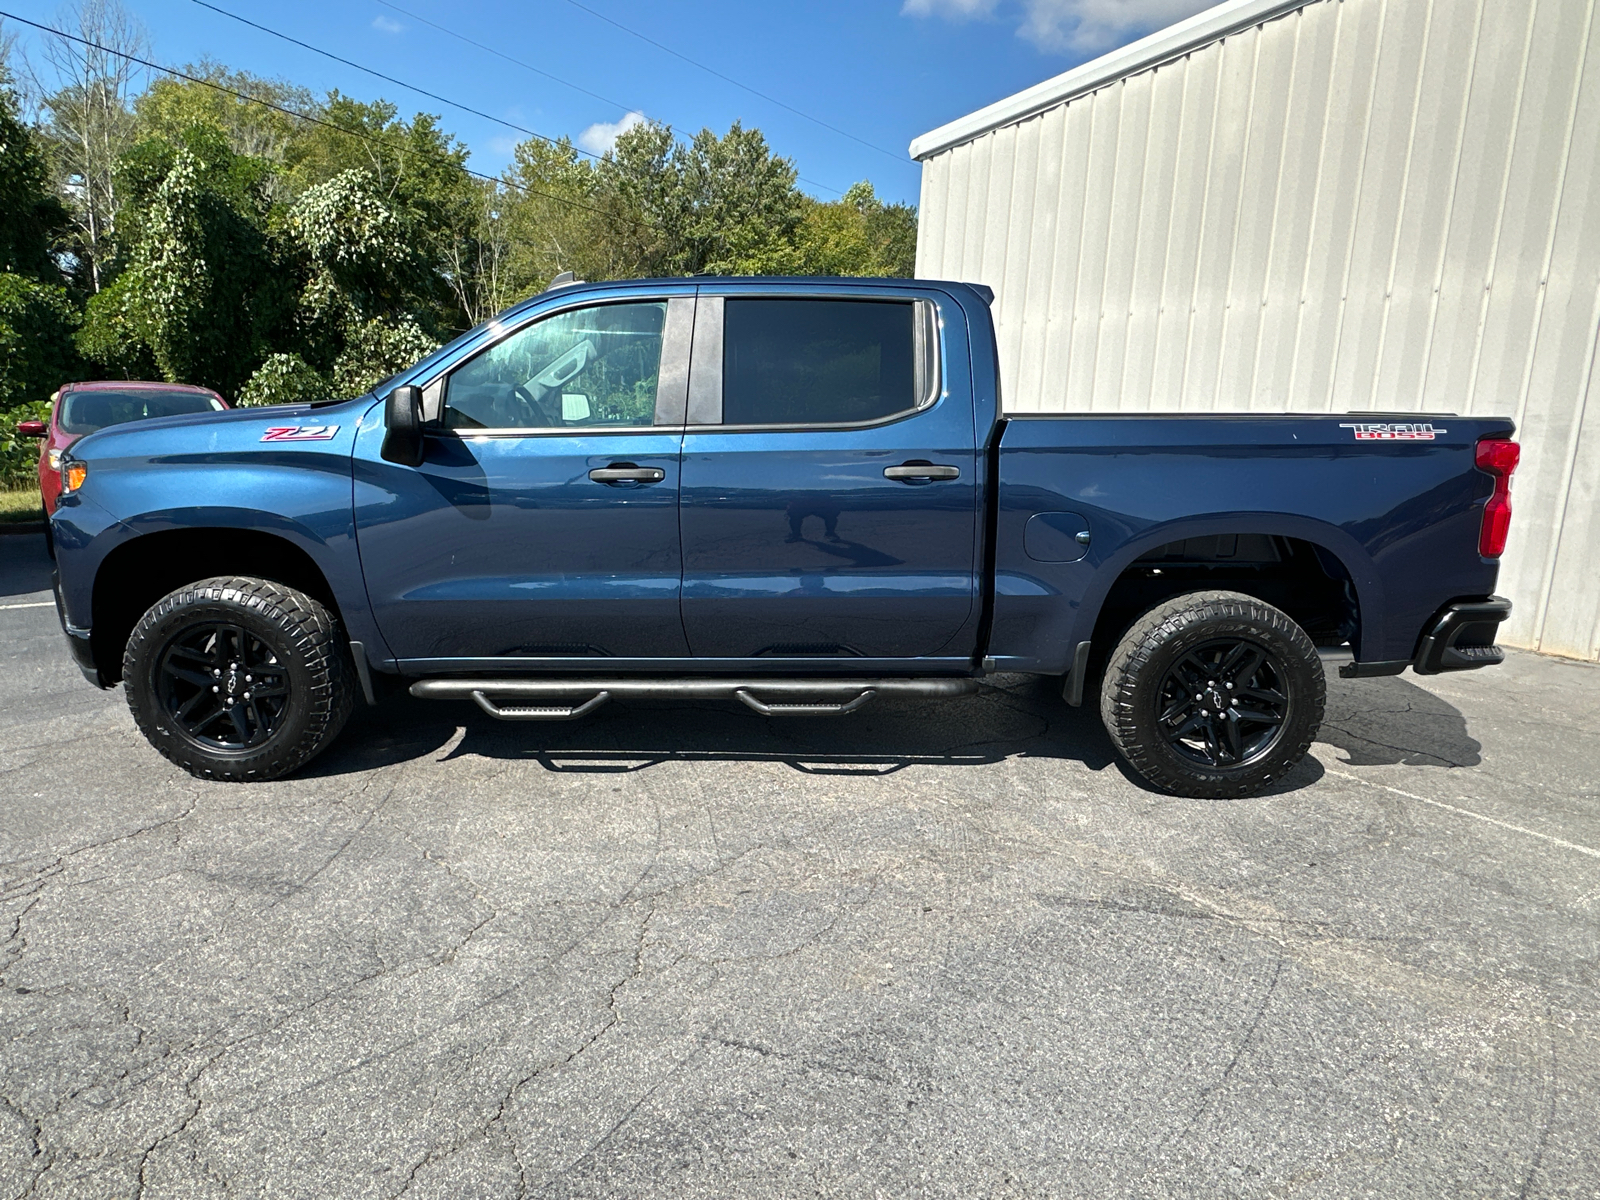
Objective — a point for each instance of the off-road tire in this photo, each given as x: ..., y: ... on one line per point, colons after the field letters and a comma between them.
x: 1130, y: 693
x: 307, y: 643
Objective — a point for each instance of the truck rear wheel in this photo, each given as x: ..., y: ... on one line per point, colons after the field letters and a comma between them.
x: 238, y: 679
x: 1213, y: 695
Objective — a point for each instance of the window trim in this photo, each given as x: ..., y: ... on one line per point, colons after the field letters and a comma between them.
x: 675, y: 335
x: 929, y: 351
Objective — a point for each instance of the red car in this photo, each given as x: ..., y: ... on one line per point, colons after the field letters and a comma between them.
x: 82, y: 408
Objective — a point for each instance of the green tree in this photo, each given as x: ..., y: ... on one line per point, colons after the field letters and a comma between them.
x: 859, y: 235
x: 202, y: 297
x: 36, y: 350
x: 170, y: 107
x: 32, y: 216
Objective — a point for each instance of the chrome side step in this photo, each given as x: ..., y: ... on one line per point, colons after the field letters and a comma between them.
x: 769, y: 697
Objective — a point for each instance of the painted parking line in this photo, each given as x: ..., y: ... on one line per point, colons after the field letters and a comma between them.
x: 1476, y: 816
x: 36, y: 604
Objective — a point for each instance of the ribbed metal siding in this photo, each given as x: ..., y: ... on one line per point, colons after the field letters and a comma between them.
x: 1365, y: 205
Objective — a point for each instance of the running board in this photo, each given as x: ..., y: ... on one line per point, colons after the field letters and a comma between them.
x: 769, y: 697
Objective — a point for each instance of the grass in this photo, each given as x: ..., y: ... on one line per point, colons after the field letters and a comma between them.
x: 20, y: 505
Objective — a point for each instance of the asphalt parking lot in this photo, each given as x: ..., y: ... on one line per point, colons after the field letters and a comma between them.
x: 679, y: 950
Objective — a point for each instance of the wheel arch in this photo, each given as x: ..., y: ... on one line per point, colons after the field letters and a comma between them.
x: 142, y: 569
x: 1105, y: 608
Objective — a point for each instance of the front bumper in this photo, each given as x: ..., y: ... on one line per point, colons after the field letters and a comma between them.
x: 1459, y: 638
x: 78, y: 641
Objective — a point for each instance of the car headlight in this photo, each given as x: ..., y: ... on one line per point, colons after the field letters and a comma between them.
x: 55, y: 459
x: 73, y: 473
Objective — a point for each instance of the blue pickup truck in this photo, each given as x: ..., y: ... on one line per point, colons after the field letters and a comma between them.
x: 795, y: 494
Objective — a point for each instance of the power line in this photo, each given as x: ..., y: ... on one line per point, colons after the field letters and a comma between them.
x: 517, y: 62
x: 443, y: 99
x: 288, y: 112
x: 900, y: 158
x: 466, y: 108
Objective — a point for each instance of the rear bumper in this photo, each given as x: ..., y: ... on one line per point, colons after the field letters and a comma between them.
x: 1459, y: 638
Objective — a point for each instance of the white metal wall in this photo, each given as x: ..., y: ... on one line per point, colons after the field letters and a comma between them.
x: 1363, y: 205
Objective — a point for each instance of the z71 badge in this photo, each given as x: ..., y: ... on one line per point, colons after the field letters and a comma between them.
x: 300, y: 433
x: 1395, y: 433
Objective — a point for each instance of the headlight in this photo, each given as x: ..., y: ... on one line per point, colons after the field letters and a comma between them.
x: 55, y: 459
x: 72, y: 475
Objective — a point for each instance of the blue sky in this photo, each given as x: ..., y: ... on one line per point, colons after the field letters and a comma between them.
x: 880, y: 70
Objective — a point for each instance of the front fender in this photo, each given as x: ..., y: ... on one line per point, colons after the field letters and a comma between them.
x: 145, y: 480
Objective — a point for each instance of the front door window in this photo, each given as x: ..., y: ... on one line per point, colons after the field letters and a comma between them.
x: 581, y: 369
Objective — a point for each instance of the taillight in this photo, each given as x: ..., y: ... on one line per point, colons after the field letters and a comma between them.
x: 1497, y: 457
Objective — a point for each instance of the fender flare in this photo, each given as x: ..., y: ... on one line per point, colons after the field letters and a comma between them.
x: 1345, y: 549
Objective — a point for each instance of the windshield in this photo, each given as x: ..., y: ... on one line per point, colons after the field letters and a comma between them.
x: 87, y: 411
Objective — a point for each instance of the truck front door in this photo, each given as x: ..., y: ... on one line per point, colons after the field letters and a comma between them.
x: 543, y: 524
x: 829, y: 498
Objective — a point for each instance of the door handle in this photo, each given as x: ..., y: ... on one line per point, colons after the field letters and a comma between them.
x: 627, y: 473
x: 913, y: 470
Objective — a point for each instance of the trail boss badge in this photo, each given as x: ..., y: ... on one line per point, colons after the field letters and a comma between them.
x: 1395, y: 433
x: 303, y: 433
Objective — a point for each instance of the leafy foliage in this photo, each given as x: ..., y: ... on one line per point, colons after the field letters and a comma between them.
x: 284, y: 379
x: 32, y: 216
x: 36, y: 351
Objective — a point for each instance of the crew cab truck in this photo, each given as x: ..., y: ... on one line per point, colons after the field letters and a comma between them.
x: 796, y: 494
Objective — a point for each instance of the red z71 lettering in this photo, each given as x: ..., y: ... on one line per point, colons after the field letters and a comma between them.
x: 300, y: 433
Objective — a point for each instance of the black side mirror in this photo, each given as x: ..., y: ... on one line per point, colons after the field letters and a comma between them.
x: 402, y: 413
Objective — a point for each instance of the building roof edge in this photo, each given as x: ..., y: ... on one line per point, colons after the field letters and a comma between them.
x: 1161, y: 46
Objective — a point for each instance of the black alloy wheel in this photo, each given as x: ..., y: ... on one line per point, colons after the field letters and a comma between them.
x: 1213, y: 695
x: 237, y: 678
x: 222, y: 686
x: 1223, y: 703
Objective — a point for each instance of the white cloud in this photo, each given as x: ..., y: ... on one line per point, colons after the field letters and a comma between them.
x: 954, y: 10
x: 1069, y: 26
x: 1076, y: 26
x: 385, y: 24
x: 602, y: 135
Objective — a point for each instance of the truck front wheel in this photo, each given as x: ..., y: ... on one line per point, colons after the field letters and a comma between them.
x: 1213, y: 695
x: 238, y: 679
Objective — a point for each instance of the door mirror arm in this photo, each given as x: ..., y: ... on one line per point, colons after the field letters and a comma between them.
x: 402, y: 414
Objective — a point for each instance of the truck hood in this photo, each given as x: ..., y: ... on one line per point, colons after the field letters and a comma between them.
x: 325, y: 427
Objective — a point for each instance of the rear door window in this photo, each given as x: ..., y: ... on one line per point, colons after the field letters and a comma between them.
x: 821, y: 362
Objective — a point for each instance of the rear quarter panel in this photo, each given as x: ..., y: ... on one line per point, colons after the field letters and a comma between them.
x: 1401, y: 516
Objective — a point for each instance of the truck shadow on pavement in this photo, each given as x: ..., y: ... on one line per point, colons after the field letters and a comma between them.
x: 27, y: 566
x: 1384, y: 721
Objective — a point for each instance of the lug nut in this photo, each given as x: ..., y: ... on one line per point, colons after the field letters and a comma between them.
x: 214, y: 688
x: 1230, y: 686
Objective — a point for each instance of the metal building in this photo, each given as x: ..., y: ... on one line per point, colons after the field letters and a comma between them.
x: 1313, y: 205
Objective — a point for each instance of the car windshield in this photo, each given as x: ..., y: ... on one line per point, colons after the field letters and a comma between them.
x: 92, y: 409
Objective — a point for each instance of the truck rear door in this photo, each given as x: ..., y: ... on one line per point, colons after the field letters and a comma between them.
x: 829, y: 500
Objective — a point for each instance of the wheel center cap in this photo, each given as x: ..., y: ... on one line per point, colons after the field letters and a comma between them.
x: 1216, y: 699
